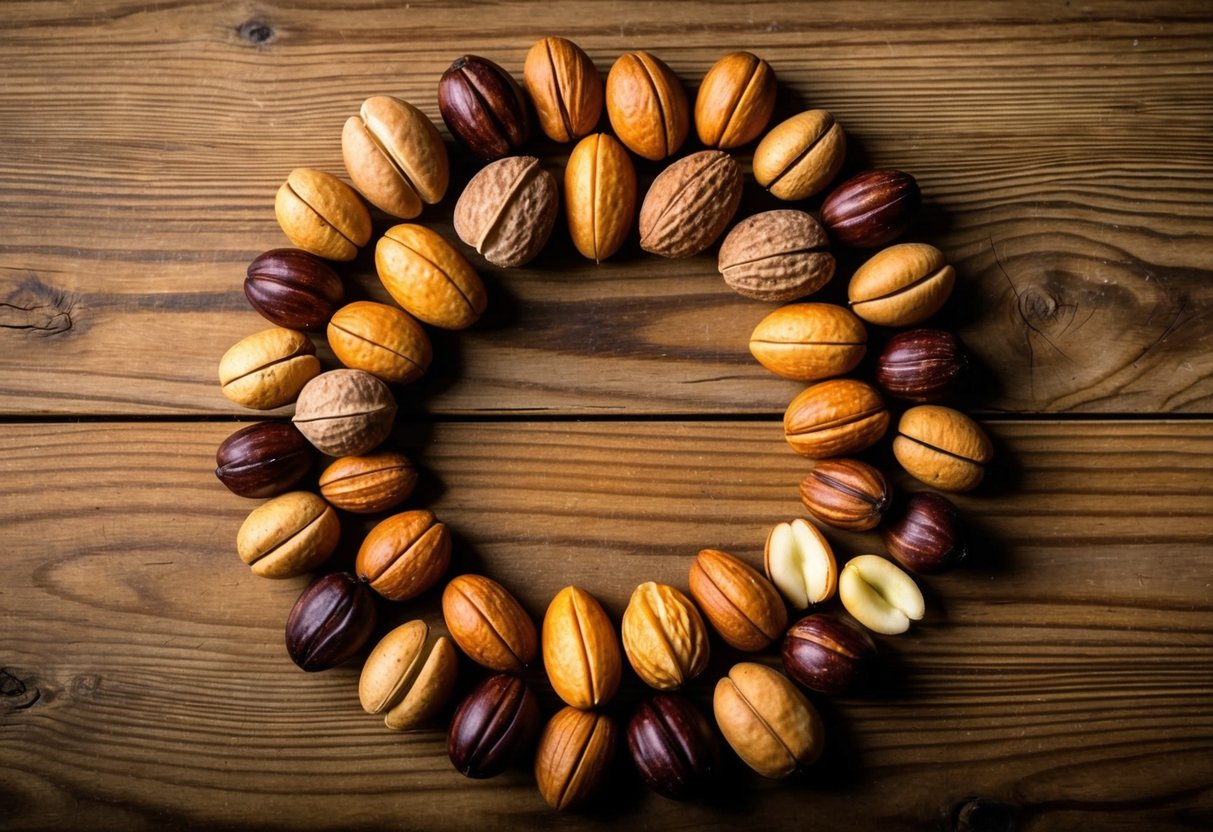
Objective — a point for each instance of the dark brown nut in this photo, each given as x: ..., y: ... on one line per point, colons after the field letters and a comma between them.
x: 834, y: 418
x: 494, y: 726
x: 827, y: 654
x: 574, y: 756
x: 800, y: 156
x: 483, y: 107
x: 264, y: 459
x: 345, y: 412
x: 395, y: 156
x: 929, y: 536
x: 922, y: 365
x: 776, y: 255
x: 404, y: 555
x: 508, y: 210
x: 690, y: 203
x: 292, y: 288
x: 330, y: 622
x: 673, y: 746
x: 369, y: 484
x: 872, y: 208
x: 846, y: 493
x: 565, y: 87
x: 735, y: 101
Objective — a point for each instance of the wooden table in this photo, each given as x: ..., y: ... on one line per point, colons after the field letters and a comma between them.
x: 603, y: 423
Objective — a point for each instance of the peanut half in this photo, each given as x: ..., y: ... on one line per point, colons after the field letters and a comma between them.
x: 879, y: 595
x: 800, y: 562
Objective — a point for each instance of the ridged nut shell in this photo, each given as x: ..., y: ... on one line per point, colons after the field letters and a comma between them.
x: 507, y: 211
x: 942, y: 447
x: 599, y: 196
x: 740, y: 603
x: 769, y: 723
x: 809, y: 341
x: 928, y: 537
x: 345, y: 412
x: 489, y: 624
x: 801, y: 156
x: 483, y: 107
x: 268, y: 368
x: 664, y: 636
x: 835, y: 418
x: 321, y: 214
x: 574, y: 755
x: 776, y: 256
x: 846, y: 494
x: 580, y: 649
x: 922, y: 365
x: 330, y: 622
x: 428, y: 277
x: 565, y: 88
x: 735, y: 101
x: 290, y: 535
x: 368, y: 484
x: 395, y: 156
x: 292, y: 288
x: 647, y: 106
x: 409, y: 676
x: 902, y: 285
x: 263, y: 459
x: 404, y: 555
x: 673, y: 746
x: 493, y: 727
x: 871, y: 208
x: 380, y: 339
x: 690, y: 203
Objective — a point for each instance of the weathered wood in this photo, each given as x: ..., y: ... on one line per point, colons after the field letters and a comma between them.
x: 1063, y: 150
x: 1063, y: 677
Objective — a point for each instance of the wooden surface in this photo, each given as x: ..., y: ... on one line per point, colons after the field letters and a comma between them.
x: 604, y: 423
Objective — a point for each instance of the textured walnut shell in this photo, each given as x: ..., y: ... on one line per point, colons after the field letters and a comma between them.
x: 292, y: 288
x: 395, y: 156
x: 800, y: 563
x: 263, y: 459
x: 827, y: 654
x: 321, y: 214
x: 428, y: 277
x: 871, y: 208
x: 942, y: 447
x: 580, y: 649
x: 290, y: 535
x: 922, y: 365
x: 902, y: 285
x: 574, y: 755
x: 809, y: 341
x: 690, y: 203
x: 835, y: 418
x: 599, y: 196
x: 647, y: 106
x: 507, y: 211
x: 800, y: 156
x: 673, y: 747
x: 776, y: 256
x: 330, y: 622
x: 483, y: 107
x: 740, y: 603
x: 664, y: 636
x: 404, y: 555
x: 493, y: 727
x: 409, y: 676
x: 735, y: 101
x: 928, y: 537
x: 380, y: 339
x: 769, y: 723
x: 489, y: 624
x: 565, y: 88
x: 268, y: 368
x: 345, y: 412
x: 846, y: 494
x: 369, y: 484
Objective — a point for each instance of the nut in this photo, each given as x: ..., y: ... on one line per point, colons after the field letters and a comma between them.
x: 879, y: 595
x: 800, y: 156
x: 395, y: 156
x: 290, y: 535
x: 369, y: 484
x: 428, y: 277
x: 800, y: 563
x: 263, y: 459
x: 827, y: 654
x: 268, y: 368
x: 292, y: 288
x: 404, y: 555
x: 575, y: 752
x: 664, y: 636
x: 902, y: 285
x: 809, y: 341
x: 647, y: 106
x: 846, y: 494
x: 928, y: 537
x: 321, y: 214
x: 673, y: 746
x: 489, y: 624
x: 776, y: 255
x: 580, y: 649
x: 741, y: 604
x: 483, y: 107
x: 380, y: 339
x: 735, y: 101
x: 942, y: 447
x: 871, y: 208
x: 565, y: 88
x: 409, y: 674
x: 507, y: 211
x: 835, y: 417
x: 330, y: 622
x: 599, y: 195
x: 494, y: 726
x: 769, y: 723
x: 345, y: 412
x: 922, y: 365
x: 690, y: 203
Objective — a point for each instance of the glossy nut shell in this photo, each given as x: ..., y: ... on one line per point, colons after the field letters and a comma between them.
x: 673, y: 746
x: 368, y: 484
x: 404, y: 555
x: 409, y: 676
x: 769, y: 723
x: 742, y: 605
x: 580, y: 649
x: 846, y: 494
x: 809, y: 341
x: 800, y: 156
x: 565, y: 88
x: 380, y: 339
x: 493, y: 727
x: 834, y: 418
x: 942, y: 447
x: 735, y: 101
x: 647, y: 106
x: 263, y: 459
x: 599, y: 196
x: 508, y: 210
x: 827, y: 654
x: 292, y: 288
x: 395, y: 156
x: 428, y: 277
x: 489, y: 624
x: 268, y: 368
x: 928, y: 537
x: 483, y: 107
x: 573, y: 757
x: 871, y: 208
x: 345, y: 412
x: 321, y: 214
x: 664, y: 636
x: 902, y: 285
x: 922, y: 365
x: 330, y: 622
x: 290, y: 535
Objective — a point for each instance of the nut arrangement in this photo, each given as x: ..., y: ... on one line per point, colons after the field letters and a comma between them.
x: 398, y: 162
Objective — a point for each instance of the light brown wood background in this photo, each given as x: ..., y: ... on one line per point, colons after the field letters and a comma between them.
x: 603, y: 423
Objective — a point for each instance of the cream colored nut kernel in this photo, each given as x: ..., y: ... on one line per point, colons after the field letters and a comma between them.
x: 664, y: 636
x: 268, y: 368
x: 800, y: 562
x: 290, y: 535
x: 409, y: 674
x: 879, y: 595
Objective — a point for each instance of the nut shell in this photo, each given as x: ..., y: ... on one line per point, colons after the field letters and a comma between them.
x: 292, y: 288
x: 263, y: 459
x: 776, y: 256
x: 836, y: 417
x: 565, y: 88
x: 409, y: 676
x: 599, y: 196
x: 846, y: 494
x: 345, y: 412
x: 690, y: 203
x: 664, y: 636
x: 380, y: 339
x: 493, y: 727
x: 902, y: 285
x: 673, y: 746
x: 290, y: 535
x: 268, y: 368
x: 428, y: 277
x: 769, y: 723
x: 942, y: 447
x: 809, y: 341
x: 647, y: 106
x: 741, y: 604
x: 404, y: 555
x: 508, y: 210
x: 800, y: 156
x: 368, y: 484
x: 489, y: 624
x: 800, y: 563
x: 871, y: 208
x: 922, y: 365
x: 574, y: 755
x: 330, y: 622
x: 395, y: 156
x: 580, y: 649
x: 928, y: 537
x: 827, y: 654
x: 321, y: 214
x: 735, y: 101
x: 483, y: 107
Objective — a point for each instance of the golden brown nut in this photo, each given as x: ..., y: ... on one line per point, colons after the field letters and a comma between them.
x: 835, y: 418
x: 369, y: 484
x: 741, y: 604
x: 409, y: 674
x: 321, y: 214
x: 769, y: 723
x: 800, y: 156
x: 574, y: 755
x: 690, y: 203
x: 664, y: 636
x: 489, y: 624
x: 395, y: 156
x: 380, y: 339
x: 268, y: 368
x: 809, y: 341
x: 902, y: 285
x: 647, y: 106
x: 599, y: 195
x: 942, y: 447
x: 776, y: 255
x: 735, y: 101
x: 565, y: 88
x: 404, y: 555
x: 290, y: 535
x: 345, y: 412
x: 507, y: 211
x: 580, y: 649
x: 428, y: 277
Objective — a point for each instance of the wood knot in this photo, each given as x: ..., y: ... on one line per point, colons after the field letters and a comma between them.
x: 38, y: 309
x: 984, y: 815
x: 15, y: 692
x: 255, y: 32
x: 85, y: 685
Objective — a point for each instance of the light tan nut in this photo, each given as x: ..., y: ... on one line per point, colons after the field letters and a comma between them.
x: 879, y: 595
x: 395, y: 156
x: 690, y: 203
x: 565, y: 88
x: 800, y: 156
x: 599, y: 196
x: 489, y: 624
x: 741, y: 604
x: 735, y: 101
x: 428, y: 277
x: 799, y: 561
x: 345, y: 412
x: 290, y: 535
x: 942, y: 447
x: 268, y: 368
x: 508, y: 210
x: 321, y: 214
x: 404, y: 555
x: 809, y: 341
x: 647, y: 106
x: 409, y: 675
x: 776, y: 256
x: 369, y: 484
x: 902, y: 285
x: 769, y: 723
x: 580, y: 649
x: 380, y: 339
x: 835, y: 418
x: 574, y: 756
x: 664, y: 636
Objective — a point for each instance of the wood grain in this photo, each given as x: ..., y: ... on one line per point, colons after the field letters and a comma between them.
x: 1063, y: 151
x: 1063, y: 677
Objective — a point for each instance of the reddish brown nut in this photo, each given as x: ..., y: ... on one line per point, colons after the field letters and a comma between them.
x: 494, y: 726
x: 846, y: 493
x: 292, y: 288
x: 369, y: 484
x: 922, y: 365
x: 574, y: 756
x: 483, y: 107
x: 263, y: 459
x: 404, y: 555
x: 834, y: 418
x: 872, y: 208
x: 673, y: 746
x: 742, y: 605
x: 929, y: 536
x: 330, y: 622
x: 827, y: 654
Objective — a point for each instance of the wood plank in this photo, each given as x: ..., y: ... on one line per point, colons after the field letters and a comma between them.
x: 1063, y: 151
x: 1063, y: 677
